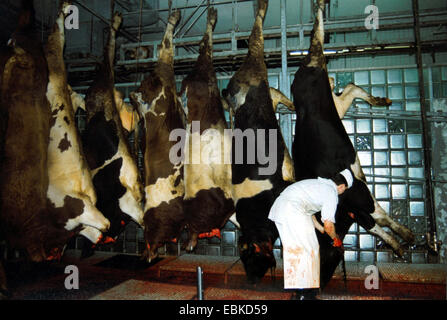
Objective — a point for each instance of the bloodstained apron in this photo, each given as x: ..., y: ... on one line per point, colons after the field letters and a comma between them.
x: 301, y: 251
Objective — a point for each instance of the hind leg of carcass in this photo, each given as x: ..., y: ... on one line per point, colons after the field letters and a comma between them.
x: 192, y: 242
x: 383, y: 220
x: 389, y: 239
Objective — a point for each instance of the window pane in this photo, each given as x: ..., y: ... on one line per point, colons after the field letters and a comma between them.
x: 367, y: 256
x: 363, y: 126
x: 399, y: 172
x: 350, y: 240
x: 363, y: 142
x: 396, y: 126
x: 385, y: 205
x: 437, y: 90
x: 377, y: 76
x: 397, y: 141
x: 416, y: 172
x: 397, y: 105
x: 411, y: 92
x: 361, y: 78
x: 273, y: 81
x: 413, y: 106
x: 395, y: 92
x: 416, y: 191
x: 349, y: 125
x: 365, y: 158
x: 380, y: 142
x: 399, y: 191
x: 343, y: 79
x: 394, y: 76
x: 436, y: 74
x: 415, y: 158
x: 444, y: 73
x: 411, y: 75
x: 382, y: 172
x: 366, y: 241
x: 380, y: 158
x: 350, y: 256
x: 399, y: 208
x: 361, y: 104
x: 353, y: 228
x: 223, y: 83
x: 398, y: 158
x: 416, y: 208
x: 414, y: 141
x: 414, y: 126
x: 381, y: 191
x: 380, y: 125
x: 384, y: 257
x: 378, y: 91
x: 418, y: 257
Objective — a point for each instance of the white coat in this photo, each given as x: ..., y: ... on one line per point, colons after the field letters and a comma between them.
x: 292, y: 213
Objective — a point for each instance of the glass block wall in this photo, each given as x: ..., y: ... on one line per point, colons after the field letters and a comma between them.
x: 389, y: 144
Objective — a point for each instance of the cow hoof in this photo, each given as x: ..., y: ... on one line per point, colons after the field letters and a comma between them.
x: 400, y: 252
x: 150, y: 259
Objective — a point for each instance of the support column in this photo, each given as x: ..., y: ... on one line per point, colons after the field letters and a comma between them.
x: 429, y: 198
x: 285, y: 120
x: 439, y: 154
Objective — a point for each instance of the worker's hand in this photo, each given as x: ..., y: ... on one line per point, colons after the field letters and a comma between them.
x: 337, y: 243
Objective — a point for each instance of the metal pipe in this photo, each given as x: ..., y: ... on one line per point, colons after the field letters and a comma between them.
x: 190, y: 7
x: 199, y: 283
x: 381, y: 176
x: 126, y: 34
x: 187, y: 19
x: 429, y: 201
x: 194, y: 22
x: 122, y: 5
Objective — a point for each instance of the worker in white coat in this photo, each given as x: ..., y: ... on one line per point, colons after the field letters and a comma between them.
x: 292, y: 213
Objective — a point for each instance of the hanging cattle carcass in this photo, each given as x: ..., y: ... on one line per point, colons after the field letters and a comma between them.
x: 24, y: 174
x: 323, y: 148
x: 115, y: 175
x: 208, y: 201
x: 28, y: 219
x: 257, y: 182
x: 70, y: 192
x: 163, y: 114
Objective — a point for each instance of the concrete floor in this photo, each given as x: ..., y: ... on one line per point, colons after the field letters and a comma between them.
x: 111, y: 276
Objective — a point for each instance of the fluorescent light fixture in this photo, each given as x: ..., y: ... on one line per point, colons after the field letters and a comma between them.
x: 298, y: 53
x: 304, y: 52
x: 397, y: 47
